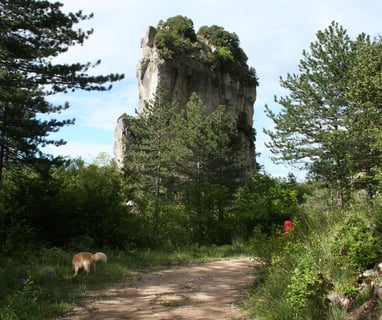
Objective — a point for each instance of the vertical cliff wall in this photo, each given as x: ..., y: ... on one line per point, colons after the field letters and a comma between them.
x: 195, y: 70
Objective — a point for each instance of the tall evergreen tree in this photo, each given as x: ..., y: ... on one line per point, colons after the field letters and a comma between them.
x: 364, y: 116
x: 151, y: 155
x: 190, y: 156
x: 211, y: 167
x: 33, y: 33
x: 311, y: 126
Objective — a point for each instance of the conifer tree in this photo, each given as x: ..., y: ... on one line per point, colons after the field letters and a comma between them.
x: 211, y: 165
x: 311, y: 127
x: 33, y: 33
x: 364, y: 115
x: 151, y: 155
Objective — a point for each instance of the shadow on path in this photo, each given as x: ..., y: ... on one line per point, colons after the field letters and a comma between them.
x: 212, y: 290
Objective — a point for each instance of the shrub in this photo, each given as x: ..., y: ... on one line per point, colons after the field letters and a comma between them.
x: 308, y: 286
x: 23, y: 303
x: 175, y: 37
x: 355, y: 243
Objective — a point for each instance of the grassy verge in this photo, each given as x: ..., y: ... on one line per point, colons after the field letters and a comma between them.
x: 39, y: 285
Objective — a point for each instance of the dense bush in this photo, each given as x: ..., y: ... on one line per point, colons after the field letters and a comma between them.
x: 355, y: 244
x: 76, y: 204
x: 327, y: 252
x: 266, y: 202
x: 175, y: 37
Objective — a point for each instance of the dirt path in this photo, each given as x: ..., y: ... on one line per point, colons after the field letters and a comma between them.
x: 212, y: 290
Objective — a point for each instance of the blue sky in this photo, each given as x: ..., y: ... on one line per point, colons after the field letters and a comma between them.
x: 273, y: 34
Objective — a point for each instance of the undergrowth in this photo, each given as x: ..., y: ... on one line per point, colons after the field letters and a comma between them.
x: 325, y: 254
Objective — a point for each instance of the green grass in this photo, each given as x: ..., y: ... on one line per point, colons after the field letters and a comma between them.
x: 327, y: 252
x: 40, y: 286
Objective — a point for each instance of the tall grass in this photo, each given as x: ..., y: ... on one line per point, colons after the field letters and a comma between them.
x: 327, y: 251
x: 39, y: 285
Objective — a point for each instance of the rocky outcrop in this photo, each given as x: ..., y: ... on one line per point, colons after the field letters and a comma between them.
x: 121, y: 138
x: 182, y: 75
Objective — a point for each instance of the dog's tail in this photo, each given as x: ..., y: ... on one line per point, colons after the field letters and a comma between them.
x: 100, y: 256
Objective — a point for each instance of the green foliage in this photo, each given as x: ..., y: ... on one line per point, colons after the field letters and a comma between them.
x: 308, y: 287
x: 221, y: 39
x: 312, y: 121
x: 33, y: 286
x: 266, y: 202
x: 355, y: 244
x: 182, y: 169
x: 331, y: 117
x: 90, y: 197
x: 76, y: 204
x: 226, y: 53
x: 33, y: 33
x: 212, y: 152
x: 328, y: 250
x: 265, y: 246
x: 182, y: 26
x: 364, y: 118
x: 152, y: 158
x: 22, y: 303
x: 176, y: 38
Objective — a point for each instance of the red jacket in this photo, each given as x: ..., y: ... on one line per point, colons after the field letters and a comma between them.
x: 288, y: 225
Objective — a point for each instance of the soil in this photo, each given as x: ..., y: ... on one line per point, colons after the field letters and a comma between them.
x: 210, y: 290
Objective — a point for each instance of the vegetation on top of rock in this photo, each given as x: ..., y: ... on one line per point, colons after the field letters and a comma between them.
x: 175, y: 37
x: 215, y: 46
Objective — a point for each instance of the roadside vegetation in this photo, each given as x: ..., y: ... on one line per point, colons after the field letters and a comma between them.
x: 330, y: 117
x: 325, y: 255
x: 178, y: 199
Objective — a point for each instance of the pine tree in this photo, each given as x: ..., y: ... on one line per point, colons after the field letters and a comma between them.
x: 33, y: 33
x: 188, y: 157
x: 151, y: 155
x: 364, y: 115
x: 211, y: 166
x: 311, y: 126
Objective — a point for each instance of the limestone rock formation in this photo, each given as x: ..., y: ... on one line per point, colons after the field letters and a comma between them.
x: 181, y: 75
x: 186, y: 74
x: 121, y: 137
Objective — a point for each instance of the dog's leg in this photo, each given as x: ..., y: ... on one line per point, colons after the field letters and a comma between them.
x: 75, y: 271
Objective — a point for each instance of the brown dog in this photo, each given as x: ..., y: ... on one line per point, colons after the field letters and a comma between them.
x: 86, y: 260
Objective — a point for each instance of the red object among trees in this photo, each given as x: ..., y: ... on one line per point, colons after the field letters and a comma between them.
x: 288, y: 225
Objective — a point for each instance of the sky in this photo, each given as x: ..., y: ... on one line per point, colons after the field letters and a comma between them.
x: 272, y: 33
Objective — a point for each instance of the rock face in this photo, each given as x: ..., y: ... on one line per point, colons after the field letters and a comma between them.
x: 183, y: 75
x: 121, y: 137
